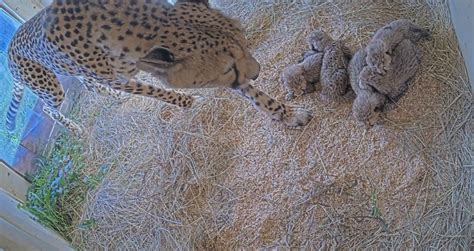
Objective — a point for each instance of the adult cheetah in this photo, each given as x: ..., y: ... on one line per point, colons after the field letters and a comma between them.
x: 106, y: 43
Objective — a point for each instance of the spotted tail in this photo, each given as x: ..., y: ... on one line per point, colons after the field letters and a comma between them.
x: 18, y: 89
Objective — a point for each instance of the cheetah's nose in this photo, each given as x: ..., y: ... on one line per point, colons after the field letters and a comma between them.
x: 255, y: 76
x: 252, y: 70
x: 256, y: 72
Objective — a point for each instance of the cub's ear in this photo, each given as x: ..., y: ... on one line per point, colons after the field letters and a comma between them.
x: 159, y: 55
x: 423, y: 33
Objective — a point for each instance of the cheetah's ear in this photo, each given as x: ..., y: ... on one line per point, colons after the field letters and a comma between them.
x: 205, y: 2
x: 159, y: 55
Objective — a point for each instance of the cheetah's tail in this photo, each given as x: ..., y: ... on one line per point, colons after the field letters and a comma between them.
x: 18, y: 89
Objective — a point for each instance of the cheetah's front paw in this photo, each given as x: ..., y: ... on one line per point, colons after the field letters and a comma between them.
x: 183, y: 101
x: 190, y: 101
x: 197, y: 99
x: 297, y: 117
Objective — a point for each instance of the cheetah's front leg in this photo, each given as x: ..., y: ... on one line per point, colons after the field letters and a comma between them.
x: 137, y: 87
x: 104, y: 90
x: 290, y: 116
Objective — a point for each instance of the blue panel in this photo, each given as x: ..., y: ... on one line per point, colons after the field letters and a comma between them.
x: 9, y: 142
x: 7, y: 29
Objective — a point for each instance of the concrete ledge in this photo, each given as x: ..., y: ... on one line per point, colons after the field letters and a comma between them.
x: 18, y: 231
x: 13, y: 183
x: 24, y: 9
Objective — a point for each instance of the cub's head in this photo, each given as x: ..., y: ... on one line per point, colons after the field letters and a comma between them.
x: 319, y: 40
x: 378, y: 57
x: 367, y: 108
x: 412, y: 31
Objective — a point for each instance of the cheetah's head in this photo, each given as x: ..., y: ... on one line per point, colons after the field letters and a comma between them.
x: 210, y: 53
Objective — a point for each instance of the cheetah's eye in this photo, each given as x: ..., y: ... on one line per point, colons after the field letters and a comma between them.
x: 159, y: 55
x: 231, y: 68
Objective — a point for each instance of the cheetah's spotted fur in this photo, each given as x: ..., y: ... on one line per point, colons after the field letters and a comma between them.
x: 106, y: 42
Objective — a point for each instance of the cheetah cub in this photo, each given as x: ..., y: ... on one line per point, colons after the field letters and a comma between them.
x: 334, y: 78
x: 374, y: 91
x: 381, y: 46
x: 406, y: 61
x: 368, y: 103
x: 301, y: 78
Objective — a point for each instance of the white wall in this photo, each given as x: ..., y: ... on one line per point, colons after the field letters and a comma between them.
x: 462, y: 14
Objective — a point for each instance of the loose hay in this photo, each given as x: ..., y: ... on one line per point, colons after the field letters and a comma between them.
x: 221, y: 175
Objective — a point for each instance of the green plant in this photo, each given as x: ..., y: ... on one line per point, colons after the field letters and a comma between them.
x: 59, y: 189
x: 375, y: 211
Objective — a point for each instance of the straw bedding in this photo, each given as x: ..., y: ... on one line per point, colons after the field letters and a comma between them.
x: 223, y: 176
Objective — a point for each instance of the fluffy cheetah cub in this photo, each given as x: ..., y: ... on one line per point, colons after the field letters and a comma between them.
x: 405, y: 63
x: 368, y: 103
x: 334, y: 79
x: 374, y: 90
x: 301, y: 78
x: 380, y: 48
